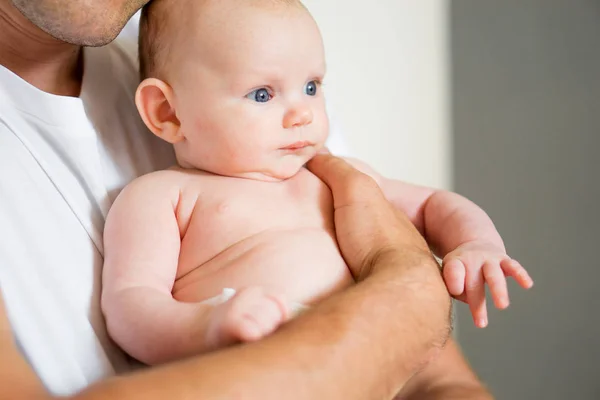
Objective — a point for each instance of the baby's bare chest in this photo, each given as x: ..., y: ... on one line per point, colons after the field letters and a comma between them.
x: 229, y: 210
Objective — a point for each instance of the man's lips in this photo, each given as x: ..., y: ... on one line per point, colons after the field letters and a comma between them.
x: 297, y: 145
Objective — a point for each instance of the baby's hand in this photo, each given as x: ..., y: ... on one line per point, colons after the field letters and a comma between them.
x: 248, y: 316
x: 471, y: 265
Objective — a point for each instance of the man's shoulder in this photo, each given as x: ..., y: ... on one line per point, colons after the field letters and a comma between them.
x: 127, y: 50
x: 108, y: 94
x: 112, y: 68
x: 11, y: 146
x: 123, y: 61
x: 124, y: 48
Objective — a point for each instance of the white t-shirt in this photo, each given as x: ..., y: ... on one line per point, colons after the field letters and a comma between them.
x: 63, y: 161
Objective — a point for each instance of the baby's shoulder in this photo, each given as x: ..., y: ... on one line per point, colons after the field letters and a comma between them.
x: 174, y: 183
x: 157, y: 180
x: 155, y: 187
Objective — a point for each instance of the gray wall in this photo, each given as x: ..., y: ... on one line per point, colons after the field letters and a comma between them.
x: 526, y: 125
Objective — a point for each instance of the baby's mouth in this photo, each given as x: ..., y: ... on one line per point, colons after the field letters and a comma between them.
x: 297, y: 145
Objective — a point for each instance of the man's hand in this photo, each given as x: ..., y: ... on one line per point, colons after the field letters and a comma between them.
x: 367, y: 226
x: 449, y: 377
x: 373, y: 235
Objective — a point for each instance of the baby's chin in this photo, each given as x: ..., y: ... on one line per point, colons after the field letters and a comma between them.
x: 277, y: 170
x: 272, y: 175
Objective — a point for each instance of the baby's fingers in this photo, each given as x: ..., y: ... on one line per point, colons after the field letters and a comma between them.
x: 454, y: 276
x: 519, y: 274
x: 494, y: 277
x: 474, y: 286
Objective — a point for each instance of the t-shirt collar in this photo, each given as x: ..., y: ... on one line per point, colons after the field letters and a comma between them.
x: 54, y: 109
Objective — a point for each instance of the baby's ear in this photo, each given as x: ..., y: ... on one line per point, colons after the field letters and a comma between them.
x: 154, y: 101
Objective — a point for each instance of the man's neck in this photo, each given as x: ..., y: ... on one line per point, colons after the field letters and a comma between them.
x: 45, y: 62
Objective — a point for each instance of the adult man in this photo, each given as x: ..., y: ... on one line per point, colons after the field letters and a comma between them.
x: 70, y: 139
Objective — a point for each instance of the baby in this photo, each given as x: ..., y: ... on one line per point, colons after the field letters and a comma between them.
x: 239, y: 237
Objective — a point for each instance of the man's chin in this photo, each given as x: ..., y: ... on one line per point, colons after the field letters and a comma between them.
x: 72, y: 24
x: 88, y: 40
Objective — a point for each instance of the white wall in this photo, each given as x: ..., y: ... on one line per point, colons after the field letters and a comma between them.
x: 387, y: 83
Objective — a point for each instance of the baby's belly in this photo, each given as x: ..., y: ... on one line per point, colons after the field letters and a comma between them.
x: 304, y: 265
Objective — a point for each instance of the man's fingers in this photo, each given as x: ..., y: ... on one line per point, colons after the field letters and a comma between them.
x: 366, y: 224
x: 330, y: 169
x: 347, y: 184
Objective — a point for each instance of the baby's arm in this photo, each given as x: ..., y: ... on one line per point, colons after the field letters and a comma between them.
x: 464, y: 236
x: 142, y: 241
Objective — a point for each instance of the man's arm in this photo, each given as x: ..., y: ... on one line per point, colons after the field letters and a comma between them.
x: 17, y: 379
x: 341, y: 349
x: 449, y: 377
x: 363, y: 343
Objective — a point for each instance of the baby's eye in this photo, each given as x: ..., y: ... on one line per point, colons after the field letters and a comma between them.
x: 311, y: 88
x: 261, y: 95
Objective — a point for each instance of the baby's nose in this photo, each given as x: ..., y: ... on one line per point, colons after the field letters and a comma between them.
x: 297, y: 117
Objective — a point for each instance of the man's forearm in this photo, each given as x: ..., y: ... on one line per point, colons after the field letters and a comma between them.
x: 363, y: 343
x: 456, y: 392
x: 448, y: 377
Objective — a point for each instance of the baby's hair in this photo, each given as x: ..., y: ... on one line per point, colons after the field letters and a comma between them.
x: 154, y: 22
x: 149, y: 45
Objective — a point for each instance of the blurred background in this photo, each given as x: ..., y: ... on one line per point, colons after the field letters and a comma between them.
x: 499, y: 101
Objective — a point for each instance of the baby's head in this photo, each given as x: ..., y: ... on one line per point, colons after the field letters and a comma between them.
x: 235, y: 85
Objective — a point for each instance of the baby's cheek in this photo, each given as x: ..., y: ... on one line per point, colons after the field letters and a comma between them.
x: 325, y: 131
x: 322, y: 125
x: 240, y: 151
x: 254, y: 138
